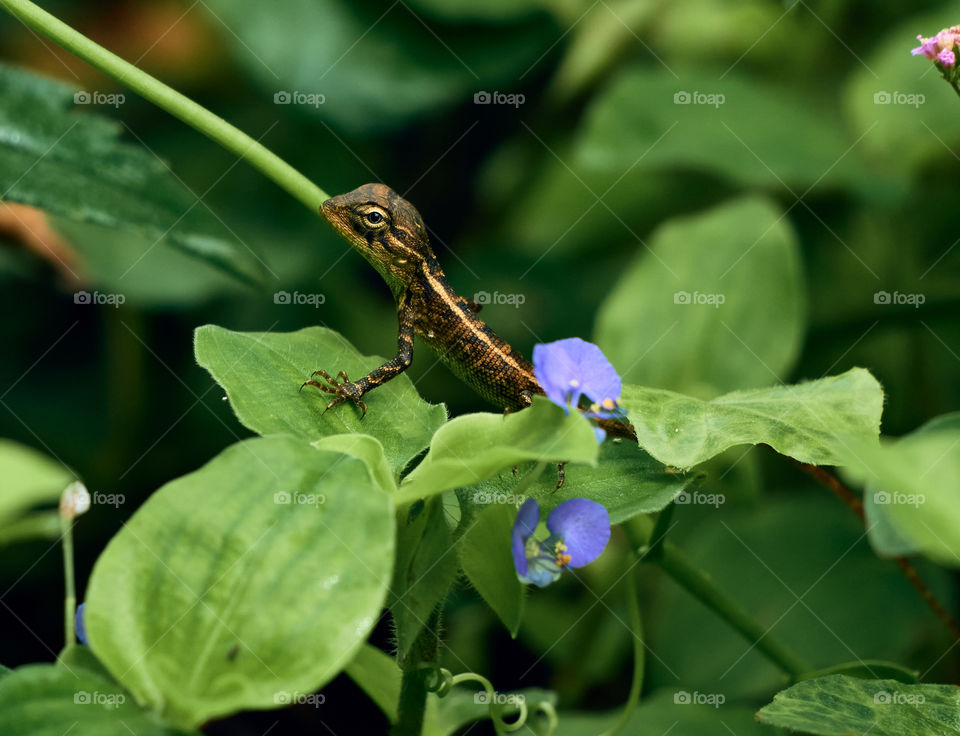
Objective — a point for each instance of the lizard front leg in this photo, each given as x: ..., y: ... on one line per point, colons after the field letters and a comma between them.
x: 347, y: 390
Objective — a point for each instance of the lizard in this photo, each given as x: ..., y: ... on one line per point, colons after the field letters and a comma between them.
x: 390, y: 234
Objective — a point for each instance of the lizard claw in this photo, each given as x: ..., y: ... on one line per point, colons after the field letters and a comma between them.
x: 345, y: 389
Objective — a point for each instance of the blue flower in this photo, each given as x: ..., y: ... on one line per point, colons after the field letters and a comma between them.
x: 78, y: 621
x: 571, y: 368
x: 579, y: 532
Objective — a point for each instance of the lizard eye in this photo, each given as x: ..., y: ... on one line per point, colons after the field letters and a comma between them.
x: 373, y: 217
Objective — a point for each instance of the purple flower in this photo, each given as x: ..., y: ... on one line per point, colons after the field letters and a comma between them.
x: 579, y: 532
x: 78, y: 621
x: 940, y: 48
x: 571, y: 368
x: 927, y: 47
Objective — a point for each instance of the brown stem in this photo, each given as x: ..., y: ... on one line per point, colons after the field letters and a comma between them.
x: 826, y: 478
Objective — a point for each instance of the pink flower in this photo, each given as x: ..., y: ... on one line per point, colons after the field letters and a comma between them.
x: 926, y: 48
x: 940, y: 47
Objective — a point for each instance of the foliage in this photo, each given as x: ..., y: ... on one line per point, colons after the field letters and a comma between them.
x: 749, y: 210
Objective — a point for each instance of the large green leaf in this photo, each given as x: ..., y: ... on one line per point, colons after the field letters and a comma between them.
x: 28, y: 478
x: 840, y: 705
x: 487, y: 561
x: 47, y: 700
x: 474, y: 447
x: 753, y: 133
x: 810, y: 421
x: 262, y: 373
x: 742, y: 260
x: 244, y: 583
x: 625, y: 480
x: 912, y: 489
x: 374, y: 66
x: 74, y: 165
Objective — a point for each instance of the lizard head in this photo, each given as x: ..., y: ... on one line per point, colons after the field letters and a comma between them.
x: 385, y: 228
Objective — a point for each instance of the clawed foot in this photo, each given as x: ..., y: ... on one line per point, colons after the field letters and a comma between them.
x: 345, y: 389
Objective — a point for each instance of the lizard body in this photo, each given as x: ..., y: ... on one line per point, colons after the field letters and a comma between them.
x: 390, y: 234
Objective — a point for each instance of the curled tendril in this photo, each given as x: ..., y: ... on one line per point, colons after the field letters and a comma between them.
x: 440, y: 681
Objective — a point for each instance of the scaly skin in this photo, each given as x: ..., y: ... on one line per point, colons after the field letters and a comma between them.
x: 389, y: 232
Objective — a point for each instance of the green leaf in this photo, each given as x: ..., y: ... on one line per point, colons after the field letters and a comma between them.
x: 840, y: 705
x: 29, y: 478
x: 375, y: 67
x: 474, y: 447
x: 740, y: 128
x: 74, y: 165
x: 378, y: 676
x: 742, y: 260
x: 48, y: 700
x: 39, y: 525
x: 81, y: 657
x: 485, y: 555
x: 262, y: 373
x: 911, y: 485
x: 363, y: 447
x: 425, y: 569
x: 129, y: 262
x: 808, y: 421
x: 237, y: 586
x: 868, y: 669
x: 625, y: 480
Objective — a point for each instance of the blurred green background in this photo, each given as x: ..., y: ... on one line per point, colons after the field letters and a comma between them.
x: 605, y: 119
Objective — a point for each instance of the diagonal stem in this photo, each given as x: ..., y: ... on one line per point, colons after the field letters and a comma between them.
x: 167, y: 98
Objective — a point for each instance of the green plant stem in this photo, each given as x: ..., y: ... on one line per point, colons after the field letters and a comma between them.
x: 700, y: 586
x: 167, y: 98
x: 636, y: 628
x: 413, y: 685
x: 70, y: 585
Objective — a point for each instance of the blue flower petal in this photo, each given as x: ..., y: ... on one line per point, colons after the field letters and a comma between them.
x: 523, y: 528
x: 78, y: 621
x: 601, y: 434
x: 565, y: 369
x: 584, y: 526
